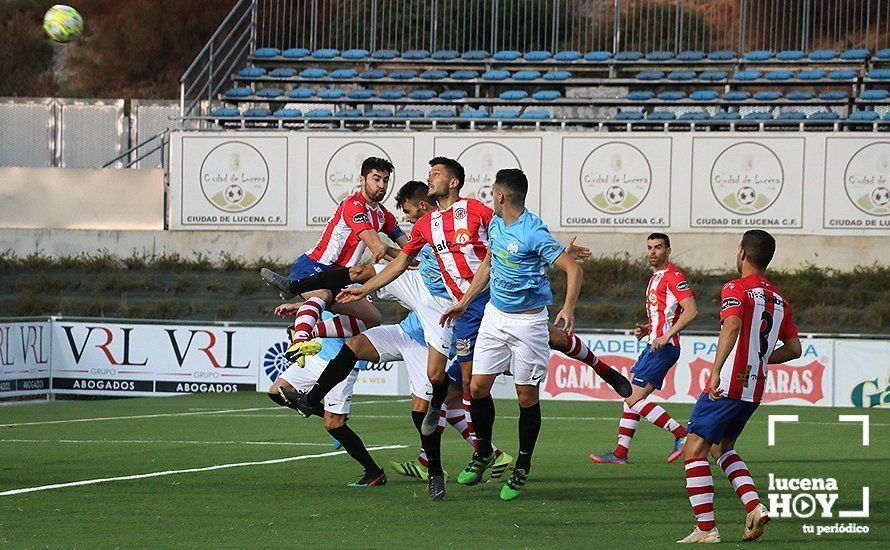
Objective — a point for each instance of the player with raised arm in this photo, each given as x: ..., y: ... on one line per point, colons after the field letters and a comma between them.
x: 514, y: 334
x: 353, y: 228
x: 670, y: 307
x: 754, y: 316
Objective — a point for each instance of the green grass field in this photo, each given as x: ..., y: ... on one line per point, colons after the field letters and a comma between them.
x: 569, y: 502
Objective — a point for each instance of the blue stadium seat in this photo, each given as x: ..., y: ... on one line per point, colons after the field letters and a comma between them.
x: 598, y: 55
x: 758, y: 55
x: 857, y: 54
x: 778, y: 75
x: 331, y: 93
x: 886, y: 117
x: 833, y: 95
x: 546, y: 95
x: 505, y: 113
x: 226, y: 112
x: 661, y: 55
x: 662, y: 115
x: 266, y: 52
x: 379, y: 113
x: 343, y: 74
x: 355, y: 54
x: 475, y: 55
x: 348, y: 113
x: 283, y: 72
x: 372, y: 74
x: 725, y: 115
x: 671, y: 95
x: 507, y: 55
x: 791, y: 115
x: 736, y: 95
x: 880, y: 74
x: 325, y: 53
x: 390, y: 95
x: 811, y: 74
x: 629, y: 115
x: 239, y: 92
x: 423, y: 95
x: 257, y: 112
x: 416, y: 55
x: 747, y: 75
x: 823, y: 55
x: 694, y: 115
x: 557, y: 75
x: 823, y: 115
x: 640, y: 95
x: 319, y: 113
x: 403, y: 74
x: 295, y: 53
x: 690, y: 55
x: 453, y: 95
x: 883, y: 54
x: 270, y: 93
x: 703, y: 95
x: 313, y: 73
x: 474, y: 113
x: 800, y: 95
x: 723, y: 55
x: 628, y: 56
x: 713, y: 75
x: 434, y: 74
x: 252, y: 72
x: 512, y: 95
x: 444, y: 55
x: 790, y: 55
x: 650, y: 75
x: 442, y: 113
x: 842, y: 74
x: 409, y: 113
x: 301, y: 93
x: 496, y: 74
x: 535, y: 114
x: 567, y: 55
x: 864, y: 116
x: 758, y: 115
x: 681, y: 75
x: 465, y: 75
x: 874, y: 95
x: 384, y: 55
x: 767, y: 95
x: 287, y: 113
x: 360, y: 94
x: 526, y: 75
x: 537, y: 55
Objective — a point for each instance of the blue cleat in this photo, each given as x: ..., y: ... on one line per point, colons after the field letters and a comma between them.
x: 678, y: 449
x: 336, y: 443
x: 608, y: 458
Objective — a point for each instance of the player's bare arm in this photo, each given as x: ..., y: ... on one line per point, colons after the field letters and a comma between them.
x: 480, y: 282
x: 378, y: 248
x: 574, y: 278
x: 729, y: 334
x: 392, y: 270
x: 689, y: 313
x: 789, y: 351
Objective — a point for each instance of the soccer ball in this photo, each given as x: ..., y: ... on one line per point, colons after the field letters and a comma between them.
x: 615, y: 195
x: 62, y: 23
x: 746, y: 196
x: 234, y: 194
x: 880, y: 196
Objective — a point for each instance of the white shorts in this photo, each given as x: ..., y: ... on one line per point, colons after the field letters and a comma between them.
x: 338, y: 400
x: 393, y: 344
x: 519, y: 341
x: 410, y: 291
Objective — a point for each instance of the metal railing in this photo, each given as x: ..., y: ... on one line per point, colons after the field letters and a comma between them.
x: 132, y: 156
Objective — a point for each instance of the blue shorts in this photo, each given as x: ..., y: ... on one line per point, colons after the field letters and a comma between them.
x: 304, y: 266
x: 455, y: 374
x: 467, y: 326
x: 651, y: 368
x: 715, y: 421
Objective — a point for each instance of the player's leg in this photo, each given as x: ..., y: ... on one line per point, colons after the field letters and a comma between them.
x: 307, y: 275
x: 436, y: 366
x: 573, y: 347
x: 627, y: 428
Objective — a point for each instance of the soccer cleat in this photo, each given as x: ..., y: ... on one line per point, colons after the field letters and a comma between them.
x: 618, y: 382
x: 608, y: 458
x: 501, y: 464
x: 431, y: 420
x: 472, y: 474
x: 755, y: 522
x: 678, y: 449
x: 336, y: 443
x: 370, y: 479
x: 298, y: 351
x: 701, y: 537
x: 297, y: 401
x: 436, y: 488
x: 412, y: 468
x: 280, y: 282
x: 514, y: 485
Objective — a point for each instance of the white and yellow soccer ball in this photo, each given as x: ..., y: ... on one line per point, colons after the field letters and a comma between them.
x: 63, y: 23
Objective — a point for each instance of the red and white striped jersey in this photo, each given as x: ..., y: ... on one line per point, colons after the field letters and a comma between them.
x: 340, y: 244
x: 666, y: 289
x: 766, y: 318
x: 459, y: 236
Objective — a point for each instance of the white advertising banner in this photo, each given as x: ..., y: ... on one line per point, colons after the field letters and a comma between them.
x: 862, y: 374
x: 25, y: 350
x: 857, y: 184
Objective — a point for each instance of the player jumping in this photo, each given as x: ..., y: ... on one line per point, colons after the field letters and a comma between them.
x: 670, y: 307
x: 754, y: 316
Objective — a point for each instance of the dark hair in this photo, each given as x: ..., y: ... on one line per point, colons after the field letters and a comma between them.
x: 413, y: 191
x: 662, y: 236
x: 455, y: 170
x: 376, y: 163
x: 513, y: 181
x: 759, y: 246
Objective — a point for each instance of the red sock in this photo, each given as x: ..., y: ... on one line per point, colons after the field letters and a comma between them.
x: 658, y: 416
x: 307, y: 317
x: 740, y: 478
x: 627, y: 427
x: 578, y: 350
x: 700, y: 488
x: 341, y: 326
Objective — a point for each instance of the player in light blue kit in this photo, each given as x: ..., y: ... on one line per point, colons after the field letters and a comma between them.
x: 514, y: 331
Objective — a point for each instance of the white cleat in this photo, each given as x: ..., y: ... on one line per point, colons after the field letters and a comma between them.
x: 755, y: 522
x: 702, y: 537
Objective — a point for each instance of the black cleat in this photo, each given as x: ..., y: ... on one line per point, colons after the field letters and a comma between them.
x: 618, y: 382
x: 297, y: 401
x: 436, y: 488
x: 280, y: 282
x: 370, y: 479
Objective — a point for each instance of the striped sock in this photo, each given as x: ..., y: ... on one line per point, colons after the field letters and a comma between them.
x: 700, y: 488
x: 658, y: 416
x: 341, y: 326
x: 459, y: 421
x: 740, y: 478
x: 627, y: 427
x: 578, y: 350
x: 422, y: 456
x: 307, y: 317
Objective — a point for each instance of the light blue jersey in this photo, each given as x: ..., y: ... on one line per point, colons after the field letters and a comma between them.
x: 431, y: 273
x: 330, y: 347
x: 520, y: 254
